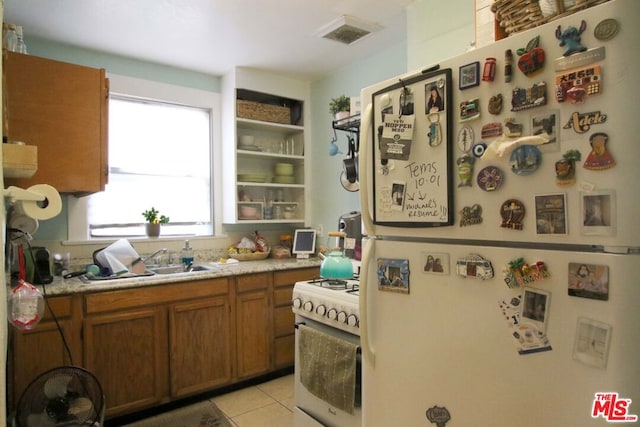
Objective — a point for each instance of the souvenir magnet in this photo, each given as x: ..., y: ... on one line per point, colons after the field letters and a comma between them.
x: 435, y: 133
x: 512, y: 213
x: 490, y: 178
x: 513, y: 129
x: 473, y: 265
x: 523, y: 98
x: 438, y: 415
x: 491, y: 130
x: 566, y: 168
x: 581, y: 123
x: 469, y: 75
x: 508, y: 65
x: 489, y: 70
x: 606, y: 30
x: 478, y: 149
x: 531, y: 58
x: 465, y: 139
x: 599, y: 158
x: 469, y: 110
x: 471, y: 215
x: 577, y: 85
x: 570, y: 38
x: 495, y: 104
x: 465, y: 169
x: 393, y: 275
x: 525, y: 160
x: 518, y: 273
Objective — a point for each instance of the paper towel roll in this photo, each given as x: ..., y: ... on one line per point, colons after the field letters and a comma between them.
x: 50, y: 207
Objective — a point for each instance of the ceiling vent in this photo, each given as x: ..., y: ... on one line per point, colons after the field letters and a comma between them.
x: 347, y: 30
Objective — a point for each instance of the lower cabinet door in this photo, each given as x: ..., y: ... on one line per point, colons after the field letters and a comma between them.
x: 126, y: 351
x: 200, y: 345
x: 253, y: 334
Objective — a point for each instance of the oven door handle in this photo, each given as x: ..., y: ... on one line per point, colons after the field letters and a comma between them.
x: 358, y: 348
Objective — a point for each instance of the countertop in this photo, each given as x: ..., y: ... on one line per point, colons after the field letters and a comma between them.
x: 61, y: 286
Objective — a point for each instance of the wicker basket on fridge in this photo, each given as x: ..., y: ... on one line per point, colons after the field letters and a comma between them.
x: 515, y: 16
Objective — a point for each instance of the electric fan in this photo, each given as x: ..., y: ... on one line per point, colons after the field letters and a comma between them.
x: 65, y: 396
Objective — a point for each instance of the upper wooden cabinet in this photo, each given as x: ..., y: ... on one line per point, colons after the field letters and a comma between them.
x: 61, y: 108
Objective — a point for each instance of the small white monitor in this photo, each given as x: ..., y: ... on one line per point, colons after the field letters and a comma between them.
x: 304, y: 242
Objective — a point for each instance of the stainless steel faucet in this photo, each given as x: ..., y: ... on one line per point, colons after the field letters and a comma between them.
x: 156, y: 253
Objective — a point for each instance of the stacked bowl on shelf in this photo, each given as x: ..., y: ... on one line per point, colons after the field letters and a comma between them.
x: 284, y: 174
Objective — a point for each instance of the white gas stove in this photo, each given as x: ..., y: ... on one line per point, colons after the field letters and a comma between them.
x: 331, y: 302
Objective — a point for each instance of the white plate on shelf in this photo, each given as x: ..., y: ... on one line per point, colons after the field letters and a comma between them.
x: 249, y: 147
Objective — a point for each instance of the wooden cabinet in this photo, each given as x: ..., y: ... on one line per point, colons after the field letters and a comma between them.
x: 62, y: 109
x: 149, y: 345
x: 200, y: 343
x: 283, y: 317
x: 152, y: 345
x: 253, y: 324
x: 254, y: 103
x: 34, y: 352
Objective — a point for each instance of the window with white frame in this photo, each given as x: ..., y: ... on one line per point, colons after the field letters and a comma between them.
x: 159, y: 156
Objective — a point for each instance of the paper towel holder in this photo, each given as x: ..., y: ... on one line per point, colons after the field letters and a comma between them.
x: 20, y: 194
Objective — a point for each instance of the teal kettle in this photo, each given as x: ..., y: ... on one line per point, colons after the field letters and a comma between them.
x: 335, y: 265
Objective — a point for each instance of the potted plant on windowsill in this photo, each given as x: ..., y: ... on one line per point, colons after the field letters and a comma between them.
x: 154, y: 221
x: 339, y: 107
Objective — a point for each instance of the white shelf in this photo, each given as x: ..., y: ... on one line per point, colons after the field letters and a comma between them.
x: 260, y: 86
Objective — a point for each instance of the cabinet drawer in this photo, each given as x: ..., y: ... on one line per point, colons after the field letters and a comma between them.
x: 289, y: 277
x: 282, y: 296
x: 61, y: 307
x: 129, y: 298
x: 252, y: 282
x: 284, y: 320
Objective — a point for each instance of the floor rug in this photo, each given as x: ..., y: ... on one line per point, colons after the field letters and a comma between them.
x: 201, y: 414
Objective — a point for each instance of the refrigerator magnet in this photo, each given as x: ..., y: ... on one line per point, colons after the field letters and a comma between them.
x: 393, y: 275
x: 435, y: 263
x: 474, y: 265
x: 471, y: 215
x: 438, y: 415
x: 566, y: 168
x: 518, y: 273
x: 525, y: 160
x: 465, y: 169
x: 551, y: 214
x: 490, y: 178
x: 599, y: 158
x: 588, y: 281
x: 531, y: 97
x: 512, y: 212
x: 535, y: 308
x: 495, y: 104
x: 598, y: 212
x: 469, y: 109
x: 469, y: 75
x: 512, y: 128
x: 591, y: 345
x: 546, y: 123
x: 465, y: 139
x: 532, y: 58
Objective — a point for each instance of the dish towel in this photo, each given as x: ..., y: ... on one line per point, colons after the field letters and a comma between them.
x: 328, y: 367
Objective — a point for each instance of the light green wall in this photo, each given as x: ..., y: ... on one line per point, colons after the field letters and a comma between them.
x: 329, y: 199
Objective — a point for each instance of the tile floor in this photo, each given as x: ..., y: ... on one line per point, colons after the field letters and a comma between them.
x: 269, y: 404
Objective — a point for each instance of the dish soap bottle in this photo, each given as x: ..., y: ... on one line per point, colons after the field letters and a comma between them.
x: 186, y: 254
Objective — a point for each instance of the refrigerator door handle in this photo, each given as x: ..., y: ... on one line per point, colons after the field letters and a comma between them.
x: 367, y: 350
x: 363, y: 168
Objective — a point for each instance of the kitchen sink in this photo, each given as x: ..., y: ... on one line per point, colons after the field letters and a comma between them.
x: 174, y: 269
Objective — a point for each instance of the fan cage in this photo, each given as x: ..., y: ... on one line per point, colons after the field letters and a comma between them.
x: 82, y: 382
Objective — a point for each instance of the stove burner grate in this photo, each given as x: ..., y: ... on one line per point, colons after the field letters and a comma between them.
x: 336, y: 284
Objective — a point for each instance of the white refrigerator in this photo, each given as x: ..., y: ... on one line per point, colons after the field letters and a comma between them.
x: 500, y: 282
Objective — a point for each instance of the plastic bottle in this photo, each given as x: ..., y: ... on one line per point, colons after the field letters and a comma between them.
x: 186, y: 254
x: 10, y: 38
x: 21, y: 47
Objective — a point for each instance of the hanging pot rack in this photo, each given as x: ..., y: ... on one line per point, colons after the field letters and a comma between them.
x: 349, y: 124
